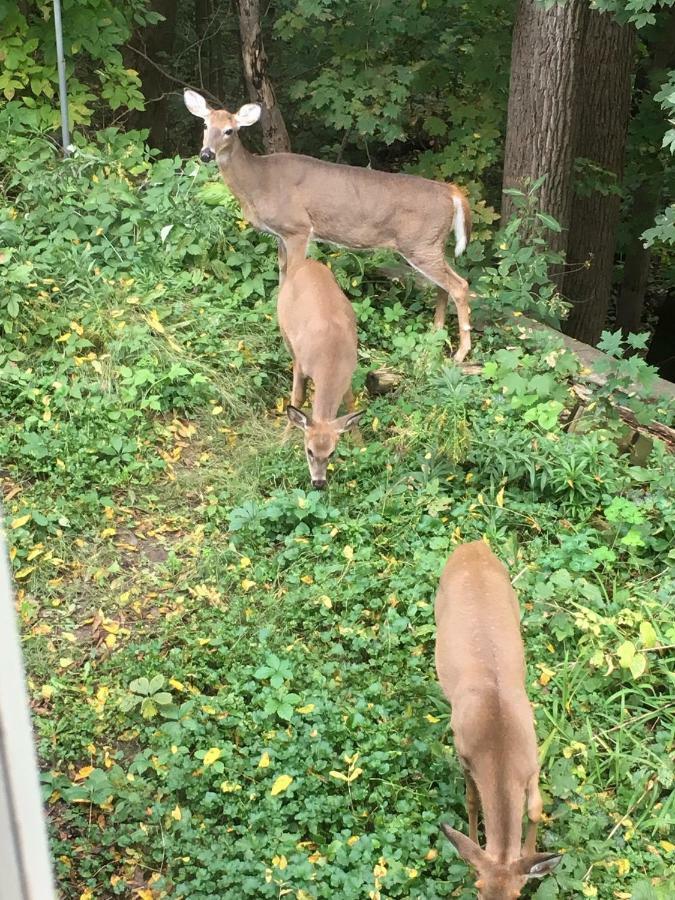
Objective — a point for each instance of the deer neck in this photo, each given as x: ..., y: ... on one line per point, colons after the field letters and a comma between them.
x: 502, y: 801
x: 238, y: 169
x: 327, y: 399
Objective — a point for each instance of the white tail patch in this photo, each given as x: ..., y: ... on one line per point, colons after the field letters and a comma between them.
x: 459, y: 226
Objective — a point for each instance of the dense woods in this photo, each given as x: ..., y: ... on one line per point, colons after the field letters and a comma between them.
x: 231, y: 673
x: 486, y: 96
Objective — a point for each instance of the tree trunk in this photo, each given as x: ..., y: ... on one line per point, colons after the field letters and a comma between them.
x: 260, y: 90
x: 603, y: 113
x: 154, y: 45
x: 647, y: 196
x: 545, y: 65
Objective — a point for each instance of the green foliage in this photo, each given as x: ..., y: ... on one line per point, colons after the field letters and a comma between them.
x: 522, y: 279
x: 94, y: 33
x: 231, y: 675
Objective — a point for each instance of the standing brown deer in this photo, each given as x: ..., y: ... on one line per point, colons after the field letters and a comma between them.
x: 480, y: 663
x: 298, y: 199
x: 318, y: 325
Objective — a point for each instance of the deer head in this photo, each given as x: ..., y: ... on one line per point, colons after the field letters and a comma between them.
x: 220, y: 126
x: 500, y: 880
x: 321, y: 439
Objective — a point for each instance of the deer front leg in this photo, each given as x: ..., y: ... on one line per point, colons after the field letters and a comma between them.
x: 294, y: 252
x: 534, y: 812
x: 283, y: 260
x: 298, y: 393
x: 472, y: 802
x: 348, y: 401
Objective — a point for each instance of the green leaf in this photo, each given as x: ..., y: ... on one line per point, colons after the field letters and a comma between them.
x: 549, y: 221
x: 626, y: 654
x: 648, y: 634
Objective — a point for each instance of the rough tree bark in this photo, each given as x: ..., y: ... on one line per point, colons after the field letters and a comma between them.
x: 259, y: 86
x: 545, y: 63
x: 602, y: 112
x: 647, y: 196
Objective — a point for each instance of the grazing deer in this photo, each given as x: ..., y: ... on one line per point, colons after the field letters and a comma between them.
x: 481, y: 667
x: 298, y: 199
x: 318, y: 325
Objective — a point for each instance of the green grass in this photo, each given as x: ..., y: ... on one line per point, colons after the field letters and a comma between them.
x: 159, y: 530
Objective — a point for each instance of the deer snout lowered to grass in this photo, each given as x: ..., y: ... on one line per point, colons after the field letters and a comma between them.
x: 319, y: 328
x: 299, y: 198
x: 480, y: 663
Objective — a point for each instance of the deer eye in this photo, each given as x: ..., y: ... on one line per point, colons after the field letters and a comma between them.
x: 205, y: 126
x: 310, y: 453
x: 227, y: 131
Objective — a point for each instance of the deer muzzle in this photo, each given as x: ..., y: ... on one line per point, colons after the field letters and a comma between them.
x: 207, y: 155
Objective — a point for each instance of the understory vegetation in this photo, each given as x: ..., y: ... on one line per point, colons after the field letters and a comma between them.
x: 232, y: 675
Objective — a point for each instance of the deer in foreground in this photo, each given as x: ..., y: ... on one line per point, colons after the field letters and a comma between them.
x: 299, y: 198
x: 318, y: 325
x: 480, y: 663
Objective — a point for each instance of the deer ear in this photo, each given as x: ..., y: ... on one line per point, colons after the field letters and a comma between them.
x: 248, y: 114
x: 466, y: 848
x: 298, y: 417
x: 351, y: 420
x: 539, y: 864
x: 196, y: 104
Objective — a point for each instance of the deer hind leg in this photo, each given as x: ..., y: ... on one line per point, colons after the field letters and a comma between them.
x: 534, y: 811
x: 450, y: 284
x: 472, y: 803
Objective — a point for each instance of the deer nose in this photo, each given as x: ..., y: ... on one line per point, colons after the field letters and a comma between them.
x: 207, y: 155
x: 319, y: 484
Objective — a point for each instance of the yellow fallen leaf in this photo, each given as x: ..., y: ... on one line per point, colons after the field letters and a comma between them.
x: 178, y: 685
x: 153, y: 321
x: 17, y: 523
x: 65, y: 661
x: 264, y: 760
x: 305, y: 709
x: 212, y: 755
x: 307, y: 579
x: 77, y: 328
x: 281, y: 784
x: 64, y: 337
x: 244, y: 562
x: 279, y: 862
x: 500, y: 498
x: 667, y: 846
x: 348, y: 552
x: 355, y: 838
x: 84, y: 772
x: 325, y: 601
x: 176, y: 813
x: 47, y: 691
x: 432, y: 719
x: 86, y: 895
x: 230, y: 787
x: 339, y: 775
x: 145, y: 894
x: 247, y: 584
x: 622, y: 867
x: 431, y: 854
x: 25, y: 572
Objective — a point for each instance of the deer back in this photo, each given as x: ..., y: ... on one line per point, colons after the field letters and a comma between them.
x: 319, y: 326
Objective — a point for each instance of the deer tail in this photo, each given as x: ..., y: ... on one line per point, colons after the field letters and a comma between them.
x: 461, y: 223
